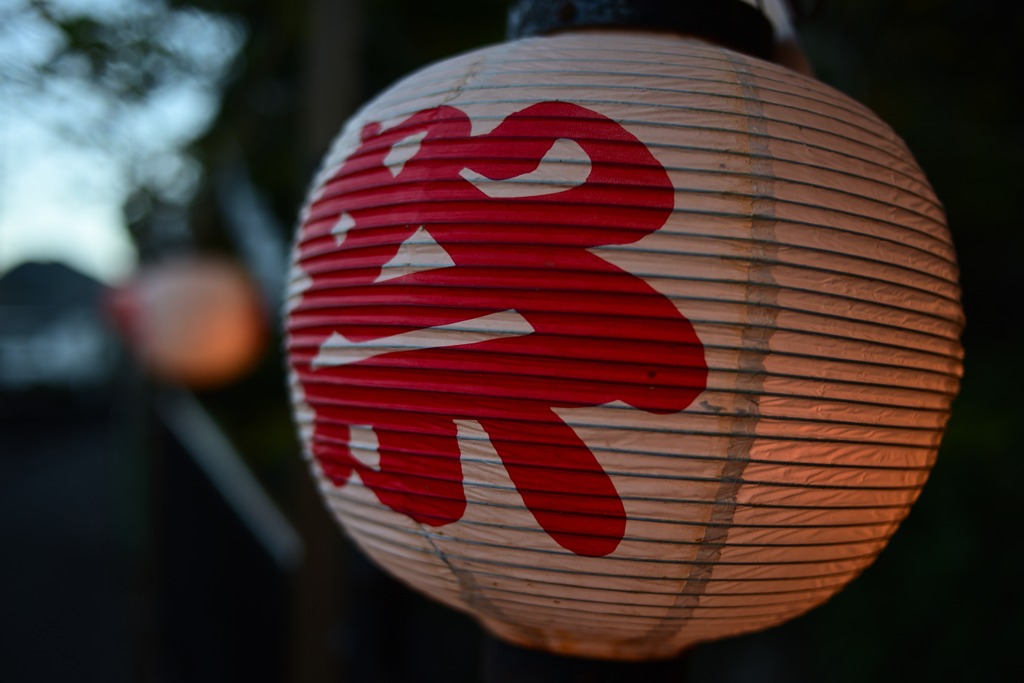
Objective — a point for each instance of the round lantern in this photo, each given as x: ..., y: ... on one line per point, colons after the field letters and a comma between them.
x: 193, y: 320
x: 621, y: 341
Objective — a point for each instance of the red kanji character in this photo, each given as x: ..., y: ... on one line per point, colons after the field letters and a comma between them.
x: 557, y: 325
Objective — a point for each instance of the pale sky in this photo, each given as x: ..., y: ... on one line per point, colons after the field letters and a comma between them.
x: 58, y: 203
x: 62, y: 181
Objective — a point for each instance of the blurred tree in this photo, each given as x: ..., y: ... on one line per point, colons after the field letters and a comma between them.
x: 133, y: 82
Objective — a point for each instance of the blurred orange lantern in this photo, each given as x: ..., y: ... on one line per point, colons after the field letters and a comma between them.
x: 195, y: 321
x: 621, y: 341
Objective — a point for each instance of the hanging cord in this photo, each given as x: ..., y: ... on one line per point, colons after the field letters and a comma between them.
x: 803, y: 10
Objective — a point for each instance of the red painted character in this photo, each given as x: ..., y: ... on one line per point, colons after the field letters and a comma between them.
x: 556, y: 325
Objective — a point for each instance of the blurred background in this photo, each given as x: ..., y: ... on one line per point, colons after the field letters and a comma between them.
x: 156, y: 519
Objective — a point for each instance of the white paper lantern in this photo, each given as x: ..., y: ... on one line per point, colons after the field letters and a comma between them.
x: 621, y: 341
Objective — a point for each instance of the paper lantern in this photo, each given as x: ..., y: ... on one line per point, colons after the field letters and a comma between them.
x: 194, y: 320
x: 621, y: 341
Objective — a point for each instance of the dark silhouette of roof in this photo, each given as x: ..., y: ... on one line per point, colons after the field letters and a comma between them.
x: 48, y: 284
x: 53, y: 331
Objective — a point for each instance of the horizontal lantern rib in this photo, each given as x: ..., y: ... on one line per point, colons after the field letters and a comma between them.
x: 478, y: 288
x: 466, y: 545
x: 327, y: 197
x: 709, y: 412
x: 812, y: 387
x: 596, y: 622
x: 310, y: 331
x: 683, y: 478
x: 708, y: 59
x: 416, y: 187
x: 676, y: 522
x: 639, y: 590
x: 753, y: 460
x: 630, y: 538
x: 785, y: 86
x: 589, y: 605
x: 416, y: 407
x: 828, y: 510
x: 613, y: 572
x: 665, y: 499
x: 344, y: 298
x: 534, y: 85
x: 553, y: 604
x: 764, y: 586
x: 298, y: 345
x: 862, y: 123
x: 638, y: 597
x: 773, y: 416
x: 481, y: 564
x: 316, y: 327
x: 877, y: 543
x: 566, y: 600
x: 556, y: 469
x: 356, y: 277
x: 392, y: 225
x: 729, y: 153
x: 728, y: 114
x: 330, y: 247
x: 324, y: 378
x: 864, y: 327
x: 313, y: 326
x: 344, y: 281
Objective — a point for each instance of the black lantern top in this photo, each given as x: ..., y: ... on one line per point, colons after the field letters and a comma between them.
x: 732, y: 23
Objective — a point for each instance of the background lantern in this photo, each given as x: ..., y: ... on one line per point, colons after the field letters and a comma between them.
x: 192, y: 320
x: 621, y: 341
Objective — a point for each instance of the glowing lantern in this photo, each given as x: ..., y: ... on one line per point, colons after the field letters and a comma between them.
x: 621, y: 341
x: 194, y: 321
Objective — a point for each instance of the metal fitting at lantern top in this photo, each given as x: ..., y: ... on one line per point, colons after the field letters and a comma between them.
x: 732, y: 23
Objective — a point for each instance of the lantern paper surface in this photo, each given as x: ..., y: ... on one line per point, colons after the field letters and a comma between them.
x: 620, y: 341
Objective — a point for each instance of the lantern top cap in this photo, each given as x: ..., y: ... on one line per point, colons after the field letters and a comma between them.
x: 732, y: 23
